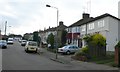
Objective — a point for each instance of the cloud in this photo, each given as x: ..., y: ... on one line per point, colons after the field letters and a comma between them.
x: 30, y: 15
x: 8, y: 14
x: 23, y: 1
x: 7, y: 10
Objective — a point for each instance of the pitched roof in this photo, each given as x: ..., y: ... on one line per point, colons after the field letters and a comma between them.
x: 91, y: 19
x: 61, y: 27
x: 100, y: 17
x: 82, y: 21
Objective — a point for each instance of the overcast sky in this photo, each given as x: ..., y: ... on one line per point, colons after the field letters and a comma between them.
x: 26, y: 16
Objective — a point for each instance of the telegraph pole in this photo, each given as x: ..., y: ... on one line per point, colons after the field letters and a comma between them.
x: 5, y: 27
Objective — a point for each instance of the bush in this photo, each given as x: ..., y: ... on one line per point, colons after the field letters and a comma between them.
x: 99, y: 40
x: 118, y: 45
x: 85, y: 49
x: 96, y: 44
x: 82, y: 53
x: 79, y: 53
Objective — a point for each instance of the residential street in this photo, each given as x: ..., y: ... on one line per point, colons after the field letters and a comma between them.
x: 0, y: 59
x: 15, y: 58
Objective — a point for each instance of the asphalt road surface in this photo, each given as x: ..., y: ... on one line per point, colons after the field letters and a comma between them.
x: 15, y: 58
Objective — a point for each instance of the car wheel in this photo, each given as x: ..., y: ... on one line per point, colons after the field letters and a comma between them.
x: 26, y: 50
x: 68, y: 52
x: 36, y: 51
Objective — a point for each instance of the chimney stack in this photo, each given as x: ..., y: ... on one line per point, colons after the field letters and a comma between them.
x: 60, y: 23
x: 86, y: 15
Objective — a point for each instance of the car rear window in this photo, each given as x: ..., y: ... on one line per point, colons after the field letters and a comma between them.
x: 23, y: 41
x: 2, y: 41
x: 32, y: 43
x: 10, y: 40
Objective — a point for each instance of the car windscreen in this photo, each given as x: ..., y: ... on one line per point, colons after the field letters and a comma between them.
x: 65, y: 47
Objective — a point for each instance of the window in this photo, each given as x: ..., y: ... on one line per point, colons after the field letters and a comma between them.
x: 69, y: 30
x: 101, y: 24
x: 83, y: 28
x: 76, y: 29
x: 91, y: 26
x: 73, y: 29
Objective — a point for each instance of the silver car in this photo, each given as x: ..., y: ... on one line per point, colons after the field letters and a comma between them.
x: 23, y: 42
x: 68, y: 49
x: 3, y: 44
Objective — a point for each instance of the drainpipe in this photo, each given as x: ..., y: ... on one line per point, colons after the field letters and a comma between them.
x: 86, y: 30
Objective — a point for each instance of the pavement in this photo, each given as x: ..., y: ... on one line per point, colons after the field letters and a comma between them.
x: 66, y: 59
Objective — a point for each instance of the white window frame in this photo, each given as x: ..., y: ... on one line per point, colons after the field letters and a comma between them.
x: 101, y: 24
x: 83, y: 28
x: 91, y: 26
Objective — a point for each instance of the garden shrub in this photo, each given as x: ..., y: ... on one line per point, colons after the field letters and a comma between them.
x: 98, y: 40
x: 96, y: 44
x: 79, y: 53
x: 82, y: 54
x: 85, y: 49
x: 118, y: 45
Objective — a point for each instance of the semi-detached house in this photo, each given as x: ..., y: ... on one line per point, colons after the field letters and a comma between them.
x: 73, y: 36
x: 106, y: 24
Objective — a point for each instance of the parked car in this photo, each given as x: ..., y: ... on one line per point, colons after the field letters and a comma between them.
x: 10, y: 41
x: 23, y: 42
x: 68, y: 49
x: 3, y: 44
x: 31, y: 46
x: 19, y: 40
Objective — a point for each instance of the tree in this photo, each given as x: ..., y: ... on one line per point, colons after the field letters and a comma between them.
x: 39, y: 40
x: 12, y: 35
x: 50, y: 40
x: 63, y: 37
x: 36, y: 37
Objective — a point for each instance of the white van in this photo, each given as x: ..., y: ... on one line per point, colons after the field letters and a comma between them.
x: 10, y: 41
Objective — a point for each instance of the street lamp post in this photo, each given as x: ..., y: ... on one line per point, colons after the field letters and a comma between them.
x: 56, y: 28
